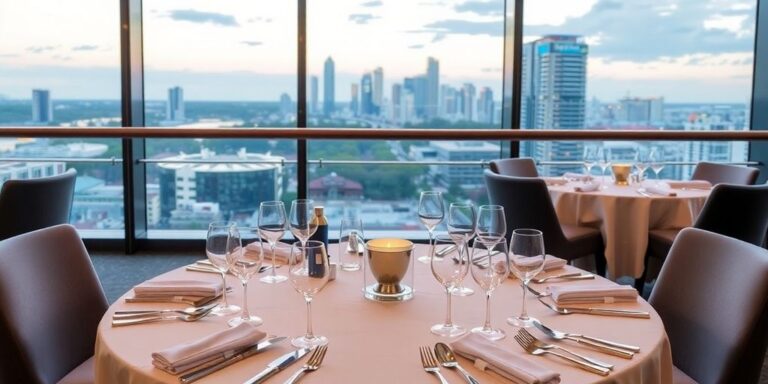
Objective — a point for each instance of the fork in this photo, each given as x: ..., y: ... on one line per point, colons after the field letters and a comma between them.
x: 315, y: 359
x: 154, y: 318
x: 540, y: 344
x: 530, y: 348
x: 596, y: 311
x: 430, y: 364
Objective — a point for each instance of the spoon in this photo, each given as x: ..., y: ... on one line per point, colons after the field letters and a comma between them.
x: 186, y: 311
x: 447, y: 359
x: 616, y: 349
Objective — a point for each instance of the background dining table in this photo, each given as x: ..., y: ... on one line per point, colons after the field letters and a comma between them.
x: 624, y: 216
x: 376, y: 342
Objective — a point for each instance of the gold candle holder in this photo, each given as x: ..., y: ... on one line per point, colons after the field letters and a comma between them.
x: 388, y: 261
x: 621, y: 173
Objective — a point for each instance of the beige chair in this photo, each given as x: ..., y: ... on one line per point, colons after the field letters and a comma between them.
x: 51, y: 303
x: 724, y: 173
x: 712, y: 295
x: 520, y: 167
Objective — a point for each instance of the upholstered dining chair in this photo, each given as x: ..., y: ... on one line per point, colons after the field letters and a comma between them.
x: 723, y: 173
x: 712, y: 295
x: 520, y: 167
x: 527, y: 204
x: 51, y: 303
x: 738, y: 211
x: 27, y: 205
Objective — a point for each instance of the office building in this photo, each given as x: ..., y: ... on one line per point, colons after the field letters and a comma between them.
x: 485, y: 107
x: 286, y: 106
x: 418, y: 87
x: 378, y: 88
x: 42, y: 109
x: 313, y: 85
x: 329, y: 87
x: 432, y: 88
x: 468, y: 101
x: 366, y: 96
x: 354, y: 99
x: 175, y: 108
x: 397, y: 96
x: 636, y: 110
x: 462, y: 175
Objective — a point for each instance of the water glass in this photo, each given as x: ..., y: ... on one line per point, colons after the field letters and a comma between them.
x: 604, y: 162
x: 642, y: 163
x: 526, y: 260
x: 220, y: 254
x: 246, y: 246
x: 351, y: 243
x: 300, y: 219
x: 308, y: 273
x: 491, y: 224
x: 431, y: 213
x: 461, y: 228
x: 272, y: 223
x: 449, y: 270
x: 590, y: 159
x: 490, y: 267
x: 656, y: 159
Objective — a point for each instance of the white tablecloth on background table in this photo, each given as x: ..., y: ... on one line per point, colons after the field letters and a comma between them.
x: 624, y: 217
x: 372, y: 342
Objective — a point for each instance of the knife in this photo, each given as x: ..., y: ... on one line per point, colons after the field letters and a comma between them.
x: 278, y: 365
x: 219, y: 364
x: 610, y: 312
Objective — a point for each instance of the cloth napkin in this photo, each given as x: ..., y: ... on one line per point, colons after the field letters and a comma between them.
x: 550, y: 263
x: 223, y: 344
x: 555, y: 180
x: 590, y: 294
x: 487, y: 355
x: 661, y: 190
x: 282, y: 252
x: 689, y: 184
x: 577, y: 176
x: 171, y: 288
x: 586, y: 187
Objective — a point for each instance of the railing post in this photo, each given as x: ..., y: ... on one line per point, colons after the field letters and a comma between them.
x: 758, y: 150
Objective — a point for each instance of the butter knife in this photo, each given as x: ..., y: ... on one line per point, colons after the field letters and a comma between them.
x: 217, y: 365
x: 609, y: 312
x: 278, y: 365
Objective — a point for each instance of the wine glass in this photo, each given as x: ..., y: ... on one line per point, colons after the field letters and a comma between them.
x: 449, y: 274
x: 641, y: 162
x: 461, y: 228
x: 272, y: 223
x: 245, y: 244
x: 431, y: 213
x: 604, y: 162
x: 526, y: 260
x: 221, y: 256
x: 590, y: 160
x: 351, y: 243
x: 300, y: 219
x: 309, y: 271
x: 656, y: 159
x: 490, y: 268
x: 491, y: 224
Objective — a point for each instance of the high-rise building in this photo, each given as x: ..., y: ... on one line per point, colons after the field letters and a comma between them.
x: 354, y: 99
x: 313, y: 94
x: 468, y: 101
x: 42, y: 110
x: 174, y: 110
x: 378, y: 88
x: 448, y: 101
x: 485, y: 106
x: 366, y: 96
x: 554, y: 77
x: 329, y: 87
x: 418, y: 87
x: 397, y: 96
x: 638, y: 110
x: 286, y: 105
x: 432, y: 88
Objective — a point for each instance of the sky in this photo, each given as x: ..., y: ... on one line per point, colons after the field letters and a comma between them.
x: 685, y: 50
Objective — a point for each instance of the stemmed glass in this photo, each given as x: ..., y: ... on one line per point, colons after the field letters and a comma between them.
x: 590, y: 160
x: 490, y: 268
x: 272, y: 223
x: 641, y: 163
x: 604, y: 162
x: 449, y: 274
x: 245, y: 243
x: 656, y: 158
x: 221, y: 256
x: 300, y: 219
x: 491, y: 224
x: 431, y: 213
x: 461, y: 228
x: 309, y: 272
x: 526, y: 260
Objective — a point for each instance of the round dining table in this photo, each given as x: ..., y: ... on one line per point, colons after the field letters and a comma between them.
x: 625, y: 214
x: 378, y: 342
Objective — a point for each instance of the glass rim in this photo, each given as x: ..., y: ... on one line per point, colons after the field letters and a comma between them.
x: 271, y: 202
x: 431, y: 193
x: 527, y: 232
x: 491, y: 206
x: 315, y: 244
x: 462, y: 205
x: 221, y: 224
x: 301, y: 200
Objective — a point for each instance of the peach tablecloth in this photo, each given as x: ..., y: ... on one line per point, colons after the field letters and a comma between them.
x: 372, y: 342
x: 624, y: 217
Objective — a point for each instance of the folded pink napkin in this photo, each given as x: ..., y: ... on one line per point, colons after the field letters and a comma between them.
x: 170, y: 288
x: 555, y: 180
x: 689, y: 184
x: 550, y: 263
x: 577, y: 176
x: 184, y: 357
x: 660, y: 190
x: 586, y: 187
x: 282, y: 252
x: 587, y: 294
x: 488, y: 355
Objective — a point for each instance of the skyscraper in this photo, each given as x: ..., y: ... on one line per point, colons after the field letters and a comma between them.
x: 286, y: 105
x: 354, y: 99
x: 174, y: 110
x: 468, y: 99
x: 433, y: 88
x: 640, y: 111
x: 313, y: 95
x: 329, y: 87
x: 42, y: 110
x: 378, y: 88
x: 397, y: 95
x: 554, y: 86
x: 418, y: 87
x: 485, y: 106
x: 366, y: 96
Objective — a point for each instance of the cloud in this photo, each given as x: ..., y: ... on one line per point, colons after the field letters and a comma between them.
x: 490, y: 70
x: 465, y: 27
x: 373, y: 3
x: 40, y: 48
x: 484, y: 8
x: 6, y: 55
x: 362, y: 18
x: 203, y: 17
x: 85, y: 48
x: 259, y: 19
x: 416, y: 46
x: 439, y: 37
x: 252, y: 43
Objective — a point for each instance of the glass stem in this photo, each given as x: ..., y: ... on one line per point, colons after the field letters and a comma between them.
x: 274, y: 266
x: 224, y: 288
x: 310, y: 335
x: 448, y: 321
x: 431, y: 244
x: 246, y: 315
x: 523, y: 313
x: 487, y: 325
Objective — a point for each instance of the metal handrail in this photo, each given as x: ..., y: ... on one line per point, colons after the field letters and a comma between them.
x: 110, y: 160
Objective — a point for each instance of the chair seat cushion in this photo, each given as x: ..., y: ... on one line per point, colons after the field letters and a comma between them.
x: 83, y: 374
x: 582, y: 241
x: 679, y: 377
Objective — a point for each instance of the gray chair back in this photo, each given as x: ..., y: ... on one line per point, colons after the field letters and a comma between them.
x: 712, y: 296
x: 27, y: 205
x: 738, y: 211
x: 724, y: 173
x: 51, y: 303
x: 520, y: 167
x: 527, y: 204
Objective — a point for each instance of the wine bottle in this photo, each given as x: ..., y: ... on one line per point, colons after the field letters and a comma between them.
x: 321, y: 234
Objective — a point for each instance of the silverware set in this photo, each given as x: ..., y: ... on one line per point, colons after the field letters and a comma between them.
x: 528, y: 344
x: 282, y: 362
x: 443, y: 356
x: 565, y: 276
x: 123, y: 318
x: 313, y: 364
x: 595, y: 311
x: 605, y: 346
